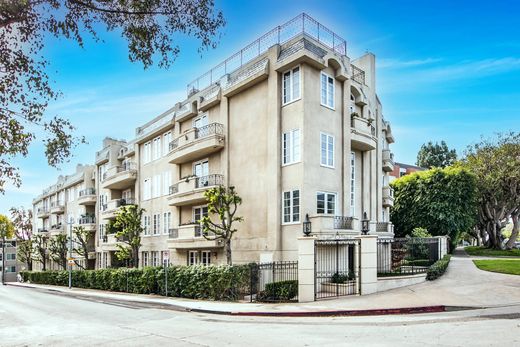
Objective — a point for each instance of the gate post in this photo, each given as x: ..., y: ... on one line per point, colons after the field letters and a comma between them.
x: 367, y: 264
x: 306, y: 268
x: 443, y: 245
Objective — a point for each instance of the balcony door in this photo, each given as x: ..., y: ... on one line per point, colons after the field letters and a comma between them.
x: 198, y: 213
x: 201, y: 121
x: 201, y: 170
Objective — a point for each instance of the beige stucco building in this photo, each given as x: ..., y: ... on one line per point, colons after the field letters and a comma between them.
x: 291, y: 121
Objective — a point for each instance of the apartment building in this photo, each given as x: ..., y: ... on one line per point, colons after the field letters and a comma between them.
x: 9, y: 265
x: 68, y: 203
x: 402, y: 169
x: 291, y: 121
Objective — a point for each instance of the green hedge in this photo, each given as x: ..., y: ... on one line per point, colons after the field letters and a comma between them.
x: 195, y: 282
x: 279, y: 291
x: 438, y: 268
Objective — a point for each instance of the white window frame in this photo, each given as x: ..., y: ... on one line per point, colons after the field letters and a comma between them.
x: 291, y: 142
x: 329, y: 157
x: 156, y: 228
x: 193, y: 255
x: 294, y: 217
x: 198, y: 118
x: 293, y: 94
x: 352, y: 183
x: 167, y: 222
x: 156, y: 151
x: 205, y: 258
x: 200, y: 162
x: 329, y: 90
x: 146, y: 225
x: 167, y: 138
x: 325, y: 202
x: 147, y: 189
x: 147, y: 152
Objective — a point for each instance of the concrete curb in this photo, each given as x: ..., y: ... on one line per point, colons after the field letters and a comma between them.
x: 323, y: 313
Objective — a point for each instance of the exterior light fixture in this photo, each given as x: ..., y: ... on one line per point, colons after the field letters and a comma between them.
x: 364, y: 224
x: 307, y: 228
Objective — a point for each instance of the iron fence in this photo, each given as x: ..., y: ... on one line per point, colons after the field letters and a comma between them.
x: 274, y: 282
x: 301, y: 24
x: 336, y: 268
x: 87, y: 191
x: 342, y: 222
x: 406, y: 256
x: 210, y: 129
x: 358, y: 75
x: 209, y: 180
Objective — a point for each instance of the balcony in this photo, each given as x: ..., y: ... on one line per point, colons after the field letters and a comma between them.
x: 43, y: 212
x: 87, y: 197
x: 57, y: 207
x: 328, y: 226
x: 388, y: 161
x: 43, y: 230
x: 108, y: 210
x: 88, y: 223
x: 57, y: 229
x: 120, y: 177
x: 388, y: 132
x: 190, y: 237
x: 358, y: 75
x: 196, y: 143
x: 363, y: 134
x: 191, y: 190
x: 388, y: 196
x: 384, y: 227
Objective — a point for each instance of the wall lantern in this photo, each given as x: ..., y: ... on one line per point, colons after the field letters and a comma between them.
x: 364, y: 224
x: 307, y: 228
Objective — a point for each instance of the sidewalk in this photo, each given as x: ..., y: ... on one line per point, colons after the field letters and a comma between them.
x: 462, y: 286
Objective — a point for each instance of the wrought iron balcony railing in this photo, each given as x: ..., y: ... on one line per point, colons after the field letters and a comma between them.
x: 87, y: 191
x: 343, y: 222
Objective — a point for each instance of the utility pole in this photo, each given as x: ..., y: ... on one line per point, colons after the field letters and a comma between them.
x: 3, y: 259
x: 69, y: 260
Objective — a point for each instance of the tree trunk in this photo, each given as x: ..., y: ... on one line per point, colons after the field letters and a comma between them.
x: 514, y: 233
x: 227, y: 248
x: 29, y: 264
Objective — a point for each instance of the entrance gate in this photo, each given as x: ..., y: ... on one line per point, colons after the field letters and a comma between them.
x: 336, y: 265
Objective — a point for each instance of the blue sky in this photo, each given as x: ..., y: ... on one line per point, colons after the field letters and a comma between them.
x: 447, y: 70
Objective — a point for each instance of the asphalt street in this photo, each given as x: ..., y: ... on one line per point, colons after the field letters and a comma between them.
x: 33, y: 317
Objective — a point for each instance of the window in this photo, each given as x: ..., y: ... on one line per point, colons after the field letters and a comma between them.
x: 157, y: 224
x: 155, y: 258
x: 167, y: 182
x: 101, y: 231
x: 326, y: 203
x: 291, y: 86
x: 156, y: 151
x: 167, y: 138
x: 146, y: 225
x: 199, y: 257
x: 201, y: 168
x: 145, y: 258
x: 352, y: 183
x: 205, y: 258
x: 327, y: 90
x: 147, y: 189
x: 167, y: 219
x: 201, y: 121
x: 156, y: 186
x: 291, y: 147
x: 327, y: 150
x: 291, y: 206
x: 147, y: 152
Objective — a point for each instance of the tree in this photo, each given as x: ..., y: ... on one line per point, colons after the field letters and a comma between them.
x: 6, y: 228
x: 25, y: 89
x: 58, y: 250
x: 434, y: 155
x: 444, y: 201
x: 222, y: 202
x: 496, y: 164
x: 83, y: 247
x: 128, y: 228
x: 22, y: 221
x: 40, y: 250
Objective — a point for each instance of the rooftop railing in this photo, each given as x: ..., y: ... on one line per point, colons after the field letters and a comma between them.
x: 302, y: 24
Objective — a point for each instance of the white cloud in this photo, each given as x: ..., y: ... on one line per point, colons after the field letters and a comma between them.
x: 398, y: 63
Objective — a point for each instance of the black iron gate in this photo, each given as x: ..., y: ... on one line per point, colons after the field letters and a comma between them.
x: 336, y: 266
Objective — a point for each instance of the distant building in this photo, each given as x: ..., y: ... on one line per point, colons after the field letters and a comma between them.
x: 401, y: 169
x: 10, y: 263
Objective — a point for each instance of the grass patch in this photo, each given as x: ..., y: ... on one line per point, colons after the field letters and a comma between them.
x: 505, y: 266
x: 487, y: 252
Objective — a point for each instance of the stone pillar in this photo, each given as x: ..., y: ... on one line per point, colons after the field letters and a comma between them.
x: 368, y: 264
x: 306, y: 271
x: 443, y: 245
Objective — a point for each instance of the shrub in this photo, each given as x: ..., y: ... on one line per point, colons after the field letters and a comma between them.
x: 438, y: 268
x: 279, y: 291
x: 339, y: 278
x: 195, y: 282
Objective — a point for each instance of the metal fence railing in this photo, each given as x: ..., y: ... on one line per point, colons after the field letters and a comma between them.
x: 406, y: 256
x: 301, y: 24
x: 274, y: 282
